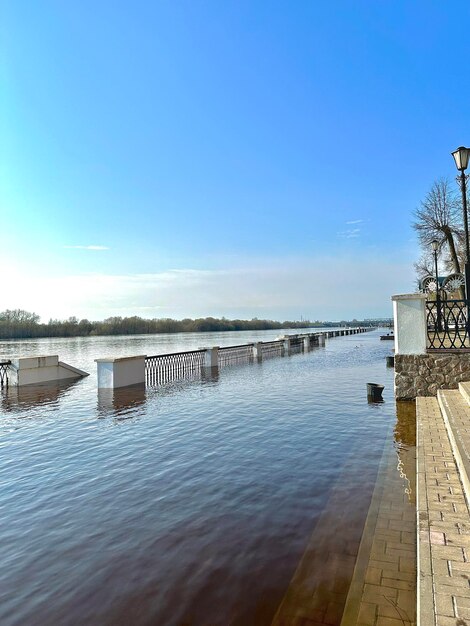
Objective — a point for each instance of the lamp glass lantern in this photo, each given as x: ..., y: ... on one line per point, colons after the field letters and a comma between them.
x: 461, y: 157
x: 435, y: 245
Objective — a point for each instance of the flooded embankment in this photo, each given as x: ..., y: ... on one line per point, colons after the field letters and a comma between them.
x: 233, y: 500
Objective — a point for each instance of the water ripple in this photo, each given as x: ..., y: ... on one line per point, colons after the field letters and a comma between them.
x: 187, y: 504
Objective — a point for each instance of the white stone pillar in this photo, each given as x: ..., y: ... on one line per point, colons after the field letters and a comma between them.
x: 120, y: 372
x: 258, y: 351
x: 307, y: 343
x: 321, y: 340
x: 286, y: 345
x: 409, y: 318
x: 211, y: 357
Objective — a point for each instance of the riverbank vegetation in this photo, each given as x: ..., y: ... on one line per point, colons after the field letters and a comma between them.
x: 19, y: 324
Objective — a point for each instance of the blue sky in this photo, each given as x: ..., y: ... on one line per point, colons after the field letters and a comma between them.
x: 187, y: 158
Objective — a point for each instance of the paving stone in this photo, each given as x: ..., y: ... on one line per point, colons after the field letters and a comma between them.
x: 444, y: 519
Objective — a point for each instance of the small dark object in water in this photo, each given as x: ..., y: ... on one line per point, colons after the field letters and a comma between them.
x: 390, y: 361
x: 389, y: 336
x: 374, y: 392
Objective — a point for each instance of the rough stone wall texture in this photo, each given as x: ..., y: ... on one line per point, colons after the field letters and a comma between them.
x: 423, y: 374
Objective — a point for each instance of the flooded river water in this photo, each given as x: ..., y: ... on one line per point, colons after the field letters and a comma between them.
x: 192, y: 503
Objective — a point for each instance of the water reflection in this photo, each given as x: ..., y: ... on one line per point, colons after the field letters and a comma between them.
x: 405, y: 427
x: 210, y: 374
x: 318, y: 590
x: 121, y: 403
x: 31, y: 396
x: 405, y: 443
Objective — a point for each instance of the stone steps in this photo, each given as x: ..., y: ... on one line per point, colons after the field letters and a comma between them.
x: 455, y: 411
x: 464, y: 389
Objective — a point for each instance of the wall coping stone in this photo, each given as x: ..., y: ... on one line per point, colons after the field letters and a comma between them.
x: 409, y: 296
x: 112, y: 359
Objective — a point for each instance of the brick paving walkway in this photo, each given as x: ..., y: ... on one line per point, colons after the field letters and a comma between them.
x: 383, y: 588
x: 444, y: 524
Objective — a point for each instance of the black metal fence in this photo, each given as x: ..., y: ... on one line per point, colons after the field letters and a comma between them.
x: 447, y: 325
x: 164, y: 368
x: 234, y: 355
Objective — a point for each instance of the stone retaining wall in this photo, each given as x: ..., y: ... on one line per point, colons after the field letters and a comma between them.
x: 423, y: 374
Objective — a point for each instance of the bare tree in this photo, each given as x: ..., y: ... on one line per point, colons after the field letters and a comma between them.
x: 424, y: 266
x: 439, y: 217
x: 18, y: 316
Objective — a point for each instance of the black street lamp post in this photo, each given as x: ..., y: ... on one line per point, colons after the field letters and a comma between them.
x: 461, y: 156
x: 435, y: 247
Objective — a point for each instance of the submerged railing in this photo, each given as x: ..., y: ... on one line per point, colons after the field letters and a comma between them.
x: 447, y: 325
x: 164, y: 368
x: 235, y: 355
x: 270, y: 349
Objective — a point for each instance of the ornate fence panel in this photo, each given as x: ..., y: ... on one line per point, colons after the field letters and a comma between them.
x: 234, y: 355
x: 296, y: 345
x: 271, y: 349
x: 4, y: 373
x: 164, y: 368
x: 447, y: 325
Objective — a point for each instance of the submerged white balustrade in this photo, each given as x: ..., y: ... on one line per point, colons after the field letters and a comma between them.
x: 120, y: 372
x: 36, y: 370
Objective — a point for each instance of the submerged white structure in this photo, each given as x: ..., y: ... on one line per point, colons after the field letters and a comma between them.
x: 121, y: 372
x: 37, y: 370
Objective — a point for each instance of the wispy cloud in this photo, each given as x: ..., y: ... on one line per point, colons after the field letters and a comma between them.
x: 354, y: 221
x: 86, y: 247
x: 268, y: 288
x: 350, y: 233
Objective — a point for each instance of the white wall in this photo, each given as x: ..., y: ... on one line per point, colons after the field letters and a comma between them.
x: 409, y: 316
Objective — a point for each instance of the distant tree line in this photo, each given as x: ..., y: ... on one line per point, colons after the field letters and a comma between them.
x: 19, y: 324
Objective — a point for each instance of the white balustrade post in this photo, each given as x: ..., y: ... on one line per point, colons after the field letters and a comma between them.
x: 211, y: 358
x: 409, y: 318
x: 286, y: 345
x: 258, y: 351
x: 120, y: 372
